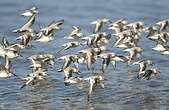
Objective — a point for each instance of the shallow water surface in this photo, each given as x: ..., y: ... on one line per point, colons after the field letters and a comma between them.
x: 122, y: 90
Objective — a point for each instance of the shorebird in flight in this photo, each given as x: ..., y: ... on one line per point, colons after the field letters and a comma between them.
x: 27, y: 26
x: 5, y: 69
x: 143, y: 64
x: 54, y: 26
x: 75, y: 34
x: 147, y: 74
x: 68, y: 72
x: 93, y: 81
x: 98, y: 24
x: 30, y: 12
x: 34, y: 78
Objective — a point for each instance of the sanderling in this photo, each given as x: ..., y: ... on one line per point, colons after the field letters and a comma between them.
x: 98, y: 24
x: 55, y: 25
x: 93, y: 81
x: 27, y: 26
x: 30, y: 12
x: 73, y: 80
x: 5, y: 69
x: 152, y: 30
x: 75, y: 34
x: 118, y: 25
x: 9, y: 53
x: 147, y: 74
x: 68, y: 72
x: 34, y: 77
x: 137, y: 26
x: 91, y: 54
x: 69, y: 45
x: 162, y: 25
x: 135, y: 52
x: 143, y: 64
x: 41, y: 61
x: 41, y: 37
x: 107, y: 57
x: 68, y: 59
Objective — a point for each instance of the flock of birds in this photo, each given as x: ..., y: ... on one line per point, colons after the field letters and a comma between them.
x: 127, y: 37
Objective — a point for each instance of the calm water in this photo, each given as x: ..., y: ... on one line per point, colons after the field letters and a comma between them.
x: 122, y: 90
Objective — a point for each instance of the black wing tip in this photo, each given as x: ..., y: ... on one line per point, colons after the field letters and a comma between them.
x: 61, y: 21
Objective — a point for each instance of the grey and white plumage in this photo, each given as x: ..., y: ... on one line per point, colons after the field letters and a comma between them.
x: 8, y: 52
x: 152, y: 30
x: 126, y: 45
x: 42, y: 37
x: 121, y: 37
x: 5, y: 69
x: 41, y: 61
x: 143, y: 64
x: 161, y: 41
x: 20, y: 46
x: 96, y: 40
x: 75, y: 34
x: 120, y: 58
x: 137, y: 26
x: 98, y: 24
x: 34, y: 77
x: 68, y: 59
x: 128, y: 36
x: 147, y: 74
x: 73, y: 80
x: 165, y: 52
x: 81, y: 60
x: 26, y: 38
x: 47, y: 34
x: 54, y: 26
x: 119, y: 22
x: 68, y: 72
x: 93, y: 81
x: 119, y: 25
x: 135, y: 52
x: 69, y: 45
x: 162, y: 25
x: 23, y: 44
x: 27, y: 26
x: 4, y: 43
x: 107, y: 59
x: 91, y: 54
x: 30, y: 12
x: 160, y: 37
x: 100, y: 39
x: 159, y: 47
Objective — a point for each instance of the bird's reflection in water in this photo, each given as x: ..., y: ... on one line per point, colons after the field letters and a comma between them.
x: 76, y: 98
x: 39, y: 97
x: 140, y: 99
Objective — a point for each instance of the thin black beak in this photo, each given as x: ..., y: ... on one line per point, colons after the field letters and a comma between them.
x: 23, y: 86
x: 16, y: 76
